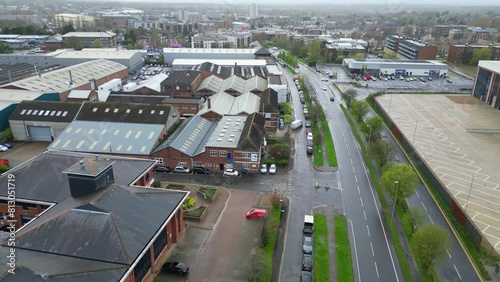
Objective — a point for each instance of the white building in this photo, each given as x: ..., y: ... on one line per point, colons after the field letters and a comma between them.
x: 253, y: 11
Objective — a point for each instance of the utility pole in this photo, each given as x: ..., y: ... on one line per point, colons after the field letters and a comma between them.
x: 395, y: 199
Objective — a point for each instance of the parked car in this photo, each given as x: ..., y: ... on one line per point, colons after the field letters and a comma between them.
x: 309, y: 150
x: 307, y: 263
x: 263, y: 169
x: 307, y: 246
x: 308, y: 130
x: 164, y: 169
x: 3, y: 148
x: 8, y: 145
x: 306, y: 111
x: 332, y: 98
x: 177, y: 268
x: 308, y: 124
x: 200, y: 170
x: 272, y: 169
x: 256, y: 214
x: 306, y: 276
x: 230, y: 172
x: 324, y: 88
x: 182, y: 169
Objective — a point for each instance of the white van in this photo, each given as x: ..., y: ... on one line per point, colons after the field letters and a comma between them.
x: 296, y: 124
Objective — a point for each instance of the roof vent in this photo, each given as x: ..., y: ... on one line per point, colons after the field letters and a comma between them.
x: 221, y: 135
x: 219, y: 140
x: 230, y: 139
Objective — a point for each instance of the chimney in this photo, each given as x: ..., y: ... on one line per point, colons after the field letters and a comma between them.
x: 89, y: 175
x: 209, y: 105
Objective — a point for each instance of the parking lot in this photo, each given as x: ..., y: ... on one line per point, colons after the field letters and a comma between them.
x: 23, y: 151
x: 148, y: 71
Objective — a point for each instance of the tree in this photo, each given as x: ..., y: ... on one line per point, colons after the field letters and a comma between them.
x: 154, y: 40
x: 96, y: 44
x: 72, y: 42
x: 373, y: 127
x: 416, y: 217
x: 430, y: 245
x: 314, y: 52
x: 68, y: 28
x: 383, y: 151
x: 4, y: 48
x: 481, y: 54
x: 407, y: 30
x: 359, y: 110
x: 349, y: 95
x: 406, y: 177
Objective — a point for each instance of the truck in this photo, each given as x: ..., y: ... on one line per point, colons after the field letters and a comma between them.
x: 296, y: 124
x: 308, y: 224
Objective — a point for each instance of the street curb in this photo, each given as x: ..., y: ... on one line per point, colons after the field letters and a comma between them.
x: 285, y: 234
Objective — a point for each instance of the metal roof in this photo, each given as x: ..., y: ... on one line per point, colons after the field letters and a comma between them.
x: 89, y: 34
x: 79, y: 94
x: 225, y: 104
x: 46, y: 111
x: 490, y: 65
x: 95, y: 54
x: 208, y: 51
x: 135, y: 98
x: 211, y: 83
x: 124, y: 113
x: 58, y: 80
x: 227, y: 132
x: 153, y: 83
x: 108, y: 137
x: 220, y: 62
x: 234, y: 83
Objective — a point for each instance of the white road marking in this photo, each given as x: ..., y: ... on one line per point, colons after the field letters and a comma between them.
x: 368, y: 229
x: 376, y: 268
x: 355, y: 251
x: 457, y: 271
x: 359, y: 192
x: 371, y: 245
x: 351, y: 161
x: 353, y: 170
x: 361, y: 199
x: 424, y: 206
x: 431, y: 219
x: 364, y: 213
x: 417, y: 195
x: 355, y: 179
x: 448, y: 252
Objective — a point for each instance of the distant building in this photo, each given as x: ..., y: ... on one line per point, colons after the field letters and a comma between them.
x: 115, y: 20
x: 486, y: 83
x: 253, y: 11
x: 392, y: 44
x: 416, y: 50
x: 78, y: 20
x: 240, y: 26
x: 107, y: 38
x: 462, y: 54
x: 443, y: 30
x: 474, y: 34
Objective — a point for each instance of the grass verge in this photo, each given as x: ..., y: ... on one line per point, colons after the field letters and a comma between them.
x: 290, y: 69
x: 403, y: 263
x: 321, y: 255
x: 345, y: 271
x: 263, y: 264
x: 317, y: 146
x: 330, y: 147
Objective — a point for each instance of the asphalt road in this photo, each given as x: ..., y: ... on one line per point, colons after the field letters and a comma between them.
x: 373, y: 257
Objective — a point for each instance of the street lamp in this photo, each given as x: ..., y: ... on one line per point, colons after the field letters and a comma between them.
x: 369, y: 134
x: 470, y: 189
x: 395, y: 199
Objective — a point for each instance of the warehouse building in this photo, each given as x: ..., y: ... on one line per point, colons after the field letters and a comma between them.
x: 170, y: 54
x: 396, y: 67
x: 487, y: 84
x: 184, y: 64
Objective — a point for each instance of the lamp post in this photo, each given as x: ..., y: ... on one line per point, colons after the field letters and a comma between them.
x: 369, y: 134
x: 395, y: 199
x: 470, y: 190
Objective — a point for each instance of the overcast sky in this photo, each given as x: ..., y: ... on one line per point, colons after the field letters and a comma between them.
x: 337, y: 2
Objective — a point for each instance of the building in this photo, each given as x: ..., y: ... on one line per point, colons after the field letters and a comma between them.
x: 223, y: 40
x: 486, y: 85
x: 170, y: 54
x: 475, y: 34
x: 234, y: 85
x: 79, y: 21
x: 278, y: 84
x: 85, y: 76
x: 396, y: 67
x: 253, y: 11
x: 232, y: 142
x: 82, y: 96
x: 41, y: 120
x: 392, y: 44
x: 187, y: 107
x: 240, y: 26
x: 209, y: 68
x: 151, y: 85
x: 81, y: 217
x: 463, y: 53
x: 107, y: 38
x: 443, y: 30
x: 181, y: 84
x: 113, y: 20
x: 185, y: 64
x: 416, y: 50
x: 131, y: 130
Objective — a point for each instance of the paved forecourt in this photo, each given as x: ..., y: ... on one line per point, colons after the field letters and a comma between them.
x: 459, y: 138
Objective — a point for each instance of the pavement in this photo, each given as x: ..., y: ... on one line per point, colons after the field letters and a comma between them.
x: 23, y: 151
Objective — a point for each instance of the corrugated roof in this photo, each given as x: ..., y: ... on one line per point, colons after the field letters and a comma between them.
x: 124, y: 113
x: 234, y: 83
x: 252, y: 134
x: 135, y: 99
x: 46, y: 111
x: 58, y: 80
x: 227, y: 132
x: 108, y: 137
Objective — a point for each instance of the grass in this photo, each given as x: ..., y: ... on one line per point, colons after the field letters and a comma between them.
x: 265, y: 253
x: 321, y: 254
x: 403, y: 263
x: 317, y: 147
x: 290, y: 69
x: 330, y: 148
x: 196, y: 212
x: 338, y: 89
x: 208, y: 192
x: 468, y: 70
x: 176, y: 187
x: 345, y: 270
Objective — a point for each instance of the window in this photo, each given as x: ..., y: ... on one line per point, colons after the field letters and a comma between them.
x: 246, y: 165
x: 184, y: 107
x: 213, y: 153
x: 182, y: 163
x: 160, y: 243
x: 193, y: 108
x: 158, y: 160
x: 222, y: 153
x: 208, y: 164
x: 197, y: 164
x: 142, y: 267
x: 246, y: 155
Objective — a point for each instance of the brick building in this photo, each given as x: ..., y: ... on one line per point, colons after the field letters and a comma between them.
x: 107, y: 38
x: 416, y: 50
x: 181, y: 84
x: 462, y: 54
x: 185, y: 106
x: 487, y: 83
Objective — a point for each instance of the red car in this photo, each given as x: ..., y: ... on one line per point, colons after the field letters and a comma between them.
x: 256, y: 214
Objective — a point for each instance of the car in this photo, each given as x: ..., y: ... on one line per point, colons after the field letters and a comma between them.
x: 309, y: 150
x: 429, y: 78
x: 272, y: 169
x: 306, y: 276
x: 308, y: 124
x: 309, y: 136
x: 8, y: 145
x: 449, y: 81
x: 263, y: 169
x: 306, y: 115
x: 306, y: 111
x: 256, y: 214
x: 175, y: 267
x: 308, y: 130
x: 307, y: 246
x: 302, y: 101
x: 307, y: 263
x: 332, y: 98
x: 401, y: 78
x: 385, y: 79
x: 201, y: 170
x: 324, y: 88
x: 374, y: 79
x: 182, y: 169
x: 230, y: 172
x: 164, y: 169
x: 3, y: 148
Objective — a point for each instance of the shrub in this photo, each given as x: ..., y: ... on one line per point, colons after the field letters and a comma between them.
x: 8, y: 134
x: 176, y: 187
x: 287, y: 118
x: 156, y: 184
x: 208, y: 192
x: 3, y: 168
x: 188, y: 203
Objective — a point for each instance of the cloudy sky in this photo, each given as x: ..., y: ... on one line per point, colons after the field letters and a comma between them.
x: 495, y: 3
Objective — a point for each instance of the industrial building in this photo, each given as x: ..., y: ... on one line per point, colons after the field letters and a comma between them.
x: 107, y: 38
x: 487, y: 83
x: 170, y: 54
x: 396, y: 67
x: 184, y: 64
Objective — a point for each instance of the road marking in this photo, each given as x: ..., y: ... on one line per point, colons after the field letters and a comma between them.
x: 359, y: 192
x: 448, y: 252
x: 364, y: 213
x: 430, y: 219
x: 376, y: 268
x: 361, y: 199
x: 355, y: 250
x: 424, y: 206
x: 351, y: 162
x: 371, y: 245
x: 457, y: 271
x: 417, y: 195
x: 353, y: 169
x: 355, y: 179
x: 368, y: 229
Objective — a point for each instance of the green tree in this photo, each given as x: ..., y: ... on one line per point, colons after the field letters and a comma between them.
x: 68, y: 28
x: 406, y: 177
x: 407, y: 30
x: 96, y: 44
x: 481, y: 54
x: 314, y: 52
x: 4, y: 48
x: 155, y: 40
x: 383, y: 151
x: 373, y: 127
x: 430, y: 245
x: 416, y: 217
x: 72, y: 42
x: 359, y: 109
x: 349, y: 95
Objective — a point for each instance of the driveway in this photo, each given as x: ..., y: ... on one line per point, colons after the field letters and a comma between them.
x: 23, y: 151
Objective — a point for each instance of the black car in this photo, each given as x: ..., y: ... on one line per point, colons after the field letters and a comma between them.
x: 177, y: 268
x: 200, y: 170
x: 307, y: 263
x: 306, y: 276
x: 162, y: 169
x: 332, y: 98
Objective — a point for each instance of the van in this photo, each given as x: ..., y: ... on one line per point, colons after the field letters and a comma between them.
x: 296, y: 124
x: 256, y: 214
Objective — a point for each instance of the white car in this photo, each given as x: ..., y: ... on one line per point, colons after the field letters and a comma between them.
x: 272, y: 169
x: 230, y: 172
x: 263, y: 169
x: 3, y: 148
x: 182, y: 169
x: 324, y: 88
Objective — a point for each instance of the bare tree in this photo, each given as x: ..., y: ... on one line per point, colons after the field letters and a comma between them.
x: 349, y: 94
x: 383, y: 150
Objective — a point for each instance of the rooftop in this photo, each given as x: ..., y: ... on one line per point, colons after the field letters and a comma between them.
x: 227, y: 132
x: 45, y: 111
x: 108, y: 112
x: 221, y: 62
x: 96, y: 53
x: 89, y: 34
x: 209, y: 51
x: 493, y: 66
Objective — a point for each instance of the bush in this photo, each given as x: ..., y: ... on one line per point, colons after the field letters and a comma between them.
x: 3, y: 168
x: 188, y: 203
x: 8, y: 134
x: 156, y: 184
x: 208, y: 192
x: 287, y: 118
x: 176, y: 187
